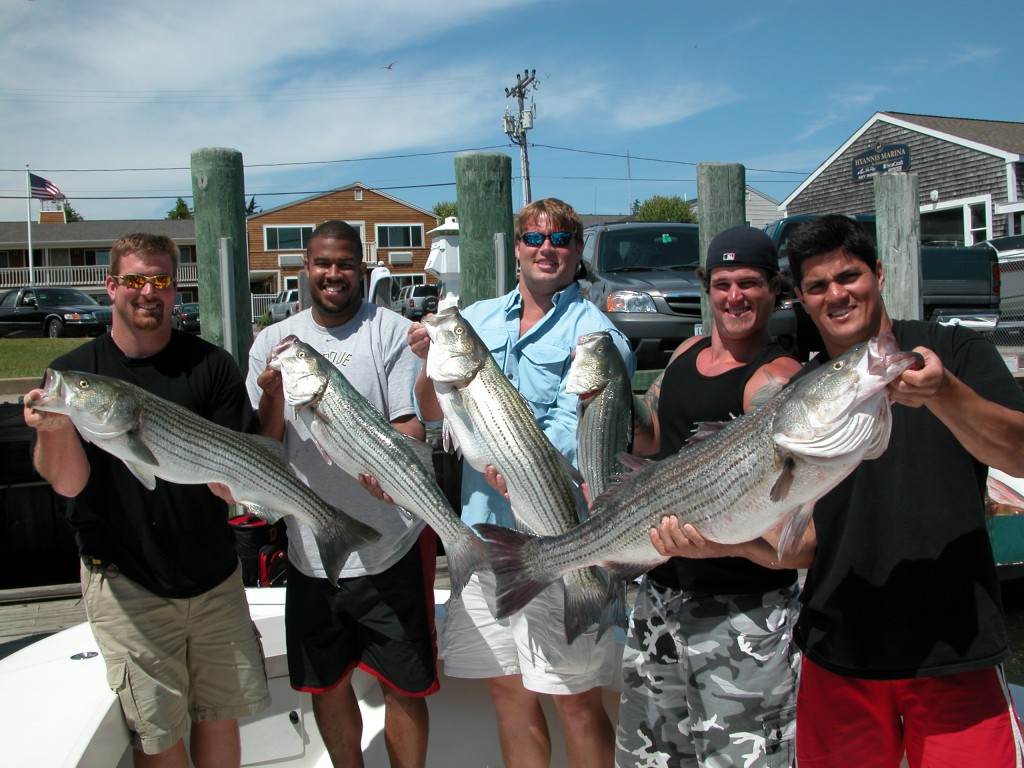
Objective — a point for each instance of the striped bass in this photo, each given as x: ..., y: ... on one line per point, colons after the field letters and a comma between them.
x: 761, y: 471
x: 492, y: 424
x: 599, y: 376
x: 156, y: 438
x: 355, y: 436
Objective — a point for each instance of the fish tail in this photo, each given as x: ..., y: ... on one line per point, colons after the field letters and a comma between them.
x: 338, y: 538
x: 466, y: 555
x: 586, y: 595
x: 518, y: 579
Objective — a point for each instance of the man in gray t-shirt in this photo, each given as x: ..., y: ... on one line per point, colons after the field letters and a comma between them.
x: 326, y: 623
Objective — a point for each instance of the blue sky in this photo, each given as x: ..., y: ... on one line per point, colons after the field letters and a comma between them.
x: 109, y: 99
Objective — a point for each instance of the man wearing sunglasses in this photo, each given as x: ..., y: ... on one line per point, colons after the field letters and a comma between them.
x: 532, y: 332
x: 160, y: 575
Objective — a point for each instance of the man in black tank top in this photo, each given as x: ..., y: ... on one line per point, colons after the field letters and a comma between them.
x: 709, y: 672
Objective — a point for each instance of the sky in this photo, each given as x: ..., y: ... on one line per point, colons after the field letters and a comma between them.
x: 109, y: 99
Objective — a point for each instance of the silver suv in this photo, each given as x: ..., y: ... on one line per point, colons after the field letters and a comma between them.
x: 285, y: 304
x: 414, y: 301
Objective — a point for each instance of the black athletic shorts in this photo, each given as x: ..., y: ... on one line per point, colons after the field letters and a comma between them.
x: 383, y: 623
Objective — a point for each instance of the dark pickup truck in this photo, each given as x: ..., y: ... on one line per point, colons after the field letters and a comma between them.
x: 52, y: 312
x: 959, y: 284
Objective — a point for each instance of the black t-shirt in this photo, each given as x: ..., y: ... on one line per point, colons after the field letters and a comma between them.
x: 173, y: 540
x: 688, y: 397
x: 903, y: 582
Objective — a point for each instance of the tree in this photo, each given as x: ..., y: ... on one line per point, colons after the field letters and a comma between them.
x: 665, y: 208
x: 252, y: 208
x: 180, y: 211
x: 445, y: 209
x: 70, y: 214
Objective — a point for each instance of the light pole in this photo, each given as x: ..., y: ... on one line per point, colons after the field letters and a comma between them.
x: 517, y: 125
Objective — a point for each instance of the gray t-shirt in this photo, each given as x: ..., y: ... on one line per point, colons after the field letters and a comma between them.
x: 372, y: 352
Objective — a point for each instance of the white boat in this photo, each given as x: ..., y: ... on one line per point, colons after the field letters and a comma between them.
x: 57, y: 711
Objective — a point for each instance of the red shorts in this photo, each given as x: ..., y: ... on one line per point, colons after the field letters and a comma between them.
x: 956, y: 721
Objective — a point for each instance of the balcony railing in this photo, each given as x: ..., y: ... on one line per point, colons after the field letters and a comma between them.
x: 78, y: 277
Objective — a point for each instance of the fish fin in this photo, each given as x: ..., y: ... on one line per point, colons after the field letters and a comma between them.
x: 630, y: 571
x: 614, y: 614
x: 142, y: 473
x: 337, y: 540
x: 316, y: 431
x: 704, y: 430
x: 424, y: 452
x: 264, y: 513
x: 449, y: 440
x: 517, y: 580
x: 269, y: 444
x: 631, y: 462
x: 586, y: 595
x: 793, y: 531
x: 784, y: 481
x: 139, y: 450
x: 466, y: 555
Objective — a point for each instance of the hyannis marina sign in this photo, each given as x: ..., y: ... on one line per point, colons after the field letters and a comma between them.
x: 893, y: 158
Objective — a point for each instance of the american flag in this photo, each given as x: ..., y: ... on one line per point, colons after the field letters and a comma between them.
x: 44, y: 189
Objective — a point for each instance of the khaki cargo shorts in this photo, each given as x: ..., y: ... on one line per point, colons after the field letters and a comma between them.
x: 174, y: 660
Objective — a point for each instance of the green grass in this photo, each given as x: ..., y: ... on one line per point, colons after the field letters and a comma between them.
x: 30, y: 357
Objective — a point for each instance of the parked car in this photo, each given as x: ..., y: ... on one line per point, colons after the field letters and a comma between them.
x: 52, y: 312
x: 185, y: 317
x: 643, y: 277
x: 284, y: 305
x: 414, y: 301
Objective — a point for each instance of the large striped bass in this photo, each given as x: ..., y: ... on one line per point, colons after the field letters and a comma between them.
x: 761, y: 471
x: 599, y: 376
x: 156, y: 438
x: 355, y: 436
x: 492, y: 424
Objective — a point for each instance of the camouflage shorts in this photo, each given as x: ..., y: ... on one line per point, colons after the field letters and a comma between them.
x: 709, y: 680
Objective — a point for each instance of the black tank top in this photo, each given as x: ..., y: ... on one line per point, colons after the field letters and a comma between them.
x: 687, y: 398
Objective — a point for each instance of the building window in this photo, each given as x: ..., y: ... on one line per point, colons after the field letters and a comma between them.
x: 97, y: 258
x: 187, y: 254
x: 399, y: 235
x: 979, y: 223
x: 287, y: 238
x: 5, y: 260
x: 359, y: 194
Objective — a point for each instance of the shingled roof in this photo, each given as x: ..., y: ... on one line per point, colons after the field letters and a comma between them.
x: 98, y: 233
x: 997, y: 134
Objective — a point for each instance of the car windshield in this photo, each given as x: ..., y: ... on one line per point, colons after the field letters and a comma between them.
x: 54, y: 296
x: 650, y: 249
x: 189, y: 308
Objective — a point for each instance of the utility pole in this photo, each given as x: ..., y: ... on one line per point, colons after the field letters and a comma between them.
x: 516, y: 126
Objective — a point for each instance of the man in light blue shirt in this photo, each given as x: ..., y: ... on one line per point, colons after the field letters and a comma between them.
x: 531, y: 333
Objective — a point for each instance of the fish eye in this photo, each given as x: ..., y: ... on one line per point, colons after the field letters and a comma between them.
x: 838, y: 365
x: 460, y: 330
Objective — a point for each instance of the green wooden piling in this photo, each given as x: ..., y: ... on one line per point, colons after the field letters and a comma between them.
x: 483, y: 183
x: 722, y: 203
x: 218, y: 193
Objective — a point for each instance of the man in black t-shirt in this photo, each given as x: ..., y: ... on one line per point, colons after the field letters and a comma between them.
x: 901, y: 626
x: 709, y: 674
x: 160, y: 577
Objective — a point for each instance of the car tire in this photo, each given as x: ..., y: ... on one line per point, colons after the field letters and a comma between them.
x: 54, y: 328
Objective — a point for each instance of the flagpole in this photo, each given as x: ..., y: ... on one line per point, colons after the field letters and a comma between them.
x: 28, y: 223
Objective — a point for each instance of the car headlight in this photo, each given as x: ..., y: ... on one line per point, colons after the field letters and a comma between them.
x: 78, y: 317
x: 630, y: 301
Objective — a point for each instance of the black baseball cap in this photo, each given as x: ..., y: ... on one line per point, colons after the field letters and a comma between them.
x: 742, y: 247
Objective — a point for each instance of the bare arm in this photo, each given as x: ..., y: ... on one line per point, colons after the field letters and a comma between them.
x: 426, y: 398
x: 991, y: 433
x: 271, y: 407
x: 646, y: 427
x: 59, y: 456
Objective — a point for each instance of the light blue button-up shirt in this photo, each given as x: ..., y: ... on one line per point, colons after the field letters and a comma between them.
x: 537, y: 364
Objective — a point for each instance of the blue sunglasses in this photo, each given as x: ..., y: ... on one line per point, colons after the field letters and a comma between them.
x: 536, y: 239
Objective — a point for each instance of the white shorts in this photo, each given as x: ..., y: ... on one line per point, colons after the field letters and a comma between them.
x: 530, y: 642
